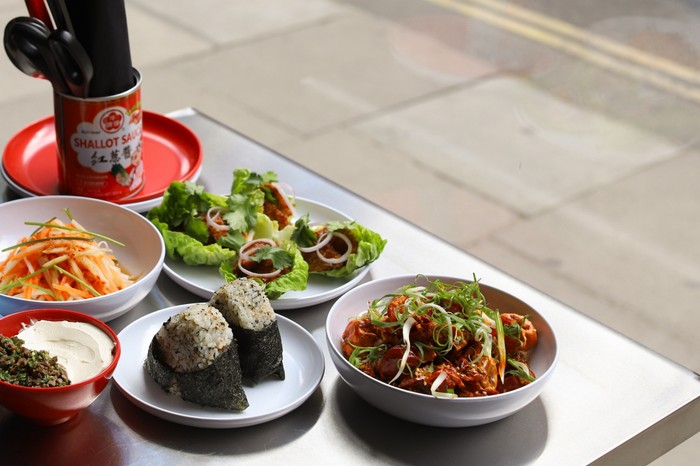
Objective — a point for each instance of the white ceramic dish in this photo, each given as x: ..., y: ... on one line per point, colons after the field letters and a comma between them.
x: 142, y: 255
x: 204, y: 280
x: 426, y: 409
x: 271, y: 398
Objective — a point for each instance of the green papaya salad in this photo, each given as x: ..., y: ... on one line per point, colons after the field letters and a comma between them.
x: 255, y: 232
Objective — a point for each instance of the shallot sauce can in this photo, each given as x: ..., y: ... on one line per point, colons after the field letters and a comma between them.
x: 100, y: 144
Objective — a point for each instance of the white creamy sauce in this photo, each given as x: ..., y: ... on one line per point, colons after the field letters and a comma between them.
x: 83, y: 349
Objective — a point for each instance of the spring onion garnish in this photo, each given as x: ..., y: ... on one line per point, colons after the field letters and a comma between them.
x: 407, y: 341
x: 501, y: 346
x: 482, y: 334
x: 436, y: 384
x: 444, y: 330
x: 77, y: 230
x: 23, y: 281
x: 448, y: 322
x: 416, y: 292
x: 43, y: 240
x: 78, y: 279
x: 521, y: 370
x: 361, y: 354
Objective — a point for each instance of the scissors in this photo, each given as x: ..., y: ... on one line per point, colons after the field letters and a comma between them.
x: 54, y: 55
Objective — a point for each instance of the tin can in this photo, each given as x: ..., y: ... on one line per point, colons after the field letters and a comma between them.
x: 99, y: 142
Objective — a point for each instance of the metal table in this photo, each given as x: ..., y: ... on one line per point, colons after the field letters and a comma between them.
x: 610, y: 401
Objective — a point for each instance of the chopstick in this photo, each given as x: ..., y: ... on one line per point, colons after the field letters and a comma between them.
x: 37, y: 9
x: 61, y: 18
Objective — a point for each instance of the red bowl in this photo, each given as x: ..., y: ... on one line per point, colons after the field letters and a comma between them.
x: 55, y: 405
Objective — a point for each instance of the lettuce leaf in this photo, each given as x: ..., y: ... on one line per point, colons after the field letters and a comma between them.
x: 184, y: 232
x: 369, y: 246
x: 268, y: 228
x: 181, y: 246
x: 181, y: 202
x: 246, y: 199
x: 294, y: 280
x: 187, y: 237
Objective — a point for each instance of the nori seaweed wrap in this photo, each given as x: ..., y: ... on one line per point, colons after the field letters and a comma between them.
x: 195, y: 356
x: 248, y: 311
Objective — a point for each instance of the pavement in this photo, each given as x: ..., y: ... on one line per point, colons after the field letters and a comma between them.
x: 554, y: 140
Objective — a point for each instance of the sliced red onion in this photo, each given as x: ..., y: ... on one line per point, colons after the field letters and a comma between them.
x: 243, y: 252
x: 341, y: 259
x: 322, y: 240
x: 250, y: 273
x: 243, y: 256
x: 214, y: 214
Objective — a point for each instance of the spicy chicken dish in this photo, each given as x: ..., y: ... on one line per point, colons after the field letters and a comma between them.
x: 442, y: 339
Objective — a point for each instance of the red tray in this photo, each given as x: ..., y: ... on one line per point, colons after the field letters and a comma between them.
x: 171, y: 152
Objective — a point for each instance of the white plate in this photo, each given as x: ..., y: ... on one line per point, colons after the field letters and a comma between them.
x: 269, y: 399
x: 140, y: 207
x: 203, y: 280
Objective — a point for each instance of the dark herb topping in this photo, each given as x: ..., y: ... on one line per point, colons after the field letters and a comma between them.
x: 29, y: 368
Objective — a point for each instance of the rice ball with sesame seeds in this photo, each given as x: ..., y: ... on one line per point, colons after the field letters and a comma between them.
x: 193, y: 339
x: 194, y: 355
x: 247, y: 309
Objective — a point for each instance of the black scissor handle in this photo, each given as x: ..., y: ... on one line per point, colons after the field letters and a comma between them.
x: 23, y: 41
x: 72, y: 62
x: 26, y: 44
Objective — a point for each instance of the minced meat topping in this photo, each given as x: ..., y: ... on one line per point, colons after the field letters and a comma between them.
x: 29, y: 368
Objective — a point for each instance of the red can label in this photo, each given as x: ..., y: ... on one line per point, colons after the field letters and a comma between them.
x: 100, y: 145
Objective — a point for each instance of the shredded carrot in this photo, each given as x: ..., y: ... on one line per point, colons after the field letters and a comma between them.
x: 61, y: 262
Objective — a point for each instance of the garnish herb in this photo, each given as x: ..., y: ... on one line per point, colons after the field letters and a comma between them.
x: 303, y: 235
x: 447, y: 327
x: 29, y: 368
x: 281, y: 258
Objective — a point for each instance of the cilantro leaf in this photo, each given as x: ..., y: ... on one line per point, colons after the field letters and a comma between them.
x: 245, y: 181
x: 303, y: 235
x: 233, y: 240
x: 281, y: 259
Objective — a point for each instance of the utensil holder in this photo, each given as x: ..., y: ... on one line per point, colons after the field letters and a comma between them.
x: 99, y: 144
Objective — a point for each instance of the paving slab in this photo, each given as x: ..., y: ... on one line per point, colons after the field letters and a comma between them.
x: 392, y: 180
x: 165, y: 90
x: 240, y: 20
x: 154, y: 40
x: 319, y: 76
x: 477, y: 136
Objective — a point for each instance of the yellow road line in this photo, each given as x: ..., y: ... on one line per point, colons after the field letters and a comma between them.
x: 609, y: 46
x: 649, y: 74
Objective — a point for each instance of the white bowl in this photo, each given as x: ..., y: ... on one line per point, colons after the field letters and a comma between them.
x: 142, y: 255
x: 426, y: 409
